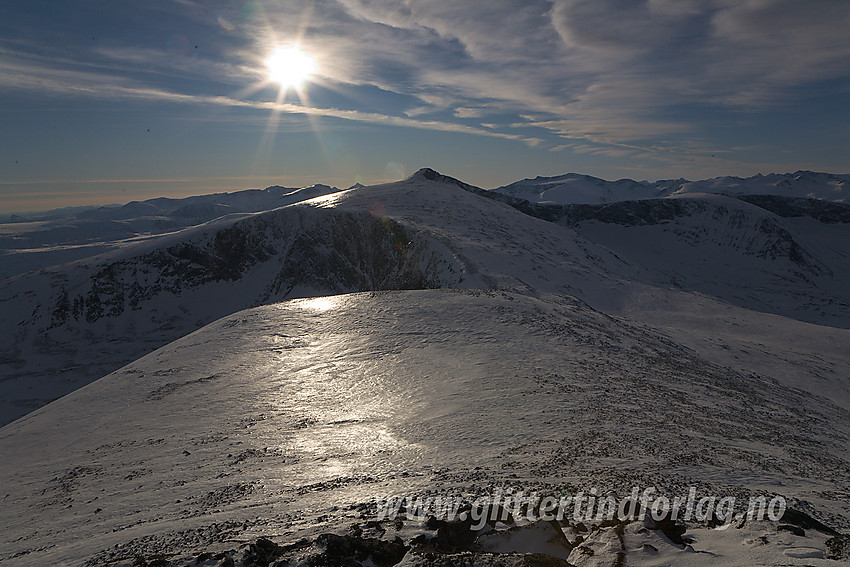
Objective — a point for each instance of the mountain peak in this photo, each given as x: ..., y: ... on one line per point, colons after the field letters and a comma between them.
x: 427, y: 173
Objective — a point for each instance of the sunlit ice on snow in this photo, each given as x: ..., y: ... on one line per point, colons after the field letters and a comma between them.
x: 316, y: 303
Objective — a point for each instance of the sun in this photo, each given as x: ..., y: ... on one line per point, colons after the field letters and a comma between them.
x: 290, y: 66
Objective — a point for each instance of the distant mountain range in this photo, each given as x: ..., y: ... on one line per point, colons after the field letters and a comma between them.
x: 583, y: 189
x: 43, y: 239
x: 197, y: 208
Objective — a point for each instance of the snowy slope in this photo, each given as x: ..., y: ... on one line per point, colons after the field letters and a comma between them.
x: 730, y: 249
x: 499, y: 246
x: 807, y: 184
x: 71, y: 324
x: 584, y: 189
x: 287, y: 420
x: 577, y: 188
x: 207, y: 207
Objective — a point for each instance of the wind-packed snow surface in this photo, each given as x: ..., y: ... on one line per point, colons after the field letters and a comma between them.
x: 696, y: 342
x: 285, y: 420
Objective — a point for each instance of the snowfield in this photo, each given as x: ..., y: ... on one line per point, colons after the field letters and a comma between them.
x: 285, y: 420
x: 278, y: 373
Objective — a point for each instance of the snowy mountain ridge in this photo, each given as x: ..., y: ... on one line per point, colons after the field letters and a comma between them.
x: 73, y: 323
x: 51, y: 238
x: 574, y: 188
x: 287, y: 421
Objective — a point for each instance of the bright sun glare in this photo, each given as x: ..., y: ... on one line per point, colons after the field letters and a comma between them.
x: 290, y: 66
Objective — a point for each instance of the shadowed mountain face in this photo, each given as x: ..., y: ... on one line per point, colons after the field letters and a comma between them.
x: 781, y: 258
x: 782, y: 255
x: 75, y: 322
x: 274, y: 372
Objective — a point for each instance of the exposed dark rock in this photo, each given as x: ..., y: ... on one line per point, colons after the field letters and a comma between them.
x: 300, y: 544
x: 838, y: 547
x: 262, y: 553
x: 672, y: 529
x: 452, y: 536
x: 803, y: 520
x: 341, y: 252
x: 823, y: 211
x: 328, y: 550
x: 641, y: 212
x: 498, y: 513
x: 796, y: 530
x: 350, y: 550
x: 613, y: 522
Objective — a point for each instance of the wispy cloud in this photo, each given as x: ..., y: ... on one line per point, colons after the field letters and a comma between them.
x: 47, y: 80
x: 467, y: 112
x: 605, y: 77
x: 611, y: 72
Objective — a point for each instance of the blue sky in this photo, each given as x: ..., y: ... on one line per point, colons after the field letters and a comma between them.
x: 106, y: 101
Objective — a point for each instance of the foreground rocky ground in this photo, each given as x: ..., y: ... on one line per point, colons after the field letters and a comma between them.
x: 509, y: 544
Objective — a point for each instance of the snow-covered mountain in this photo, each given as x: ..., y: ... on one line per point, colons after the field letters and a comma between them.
x: 429, y: 337
x: 71, y: 324
x: 794, y: 262
x: 584, y: 189
x: 56, y: 237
